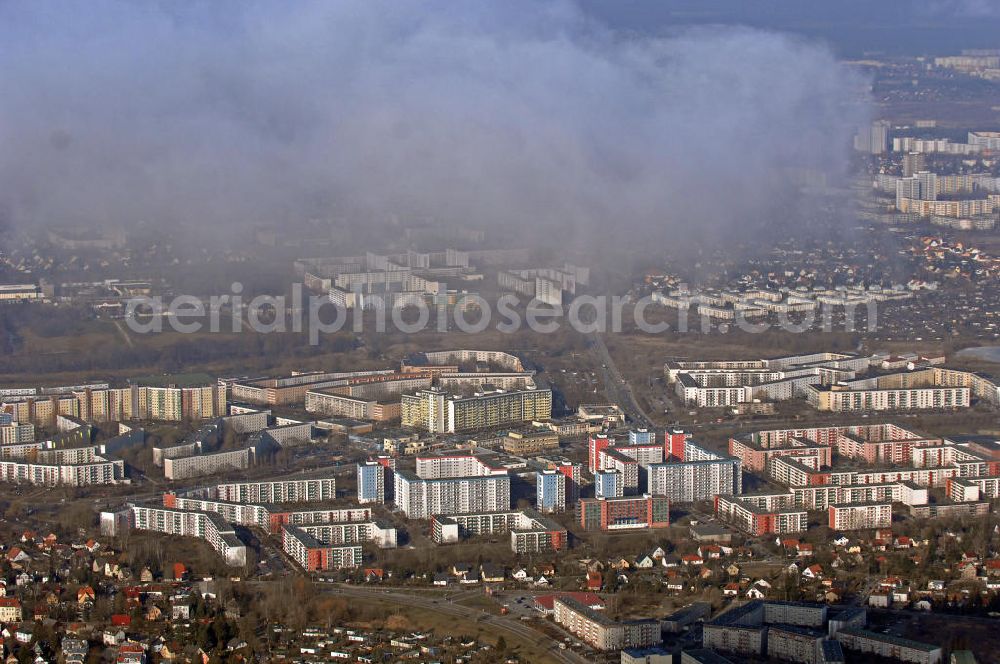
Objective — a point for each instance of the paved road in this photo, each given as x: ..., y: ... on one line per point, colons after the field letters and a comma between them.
x: 617, y: 388
x: 125, y: 335
x: 448, y: 607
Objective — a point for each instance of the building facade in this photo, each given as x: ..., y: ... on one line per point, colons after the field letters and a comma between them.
x: 626, y: 512
x: 437, y: 412
x: 550, y: 491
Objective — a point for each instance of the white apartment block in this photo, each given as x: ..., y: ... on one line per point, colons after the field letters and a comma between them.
x: 289, y: 433
x: 974, y: 207
x: 338, y: 405
x: 455, y: 465
x: 600, y: 631
x: 421, y: 498
x: 756, y: 520
x: 702, y: 475
x: 692, y: 481
x: 849, y: 397
x: 767, y: 501
x: 310, y: 517
x: 380, y: 534
x: 239, y: 513
x: 644, y: 454
x: 889, y: 646
x: 314, y: 555
x: 728, y: 383
x: 69, y: 455
x: 160, y: 454
x: 278, y: 491
x: 793, y: 470
x: 821, y: 497
x: 20, y: 451
x: 608, y: 484
x: 932, y: 145
x: 989, y: 140
x: 816, y: 497
x: 204, y: 525
x: 479, y: 380
x: 921, y: 477
x: 97, y: 471
x: 495, y: 357
x: 898, y: 492
x: 262, y: 516
x: 547, y: 285
x: 550, y: 491
x: 860, y: 516
x: 371, y: 480
x: 207, y: 464
x: 972, y: 489
x: 248, y: 422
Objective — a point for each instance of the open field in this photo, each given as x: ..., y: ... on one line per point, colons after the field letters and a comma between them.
x: 445, y: 618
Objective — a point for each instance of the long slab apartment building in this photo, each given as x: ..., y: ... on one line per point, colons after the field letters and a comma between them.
x: 381, y: 282
x: 530, y: 531
x: 708, y: 384
x: 439, y: 412
x: 197, y: 465
x: 95, y: 470
x: 209, y: 526
x: 67, y: 459
x: 273, y: 517
x: 376, y: 396
x: 602, y: 632
x: 372, y: 401
x: 99, y: 402
x: 758, y: 517
x: 259, y: 504
x: 933, y: 388
x: 335, y: 545
x: 271, y: 491
x: 307, y: 547
x: 877, y: 454
x: 293, y: 389
x: 451, y: 484
x: 450, y: 361
x: 872, y: 443
x: 778, y: 514
x: 209, y: 512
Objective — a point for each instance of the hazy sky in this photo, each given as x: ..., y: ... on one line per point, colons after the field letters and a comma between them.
x: 533, y: 115
x: 852, y: 27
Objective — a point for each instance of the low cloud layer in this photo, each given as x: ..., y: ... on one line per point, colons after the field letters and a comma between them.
x: 525, y: 114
